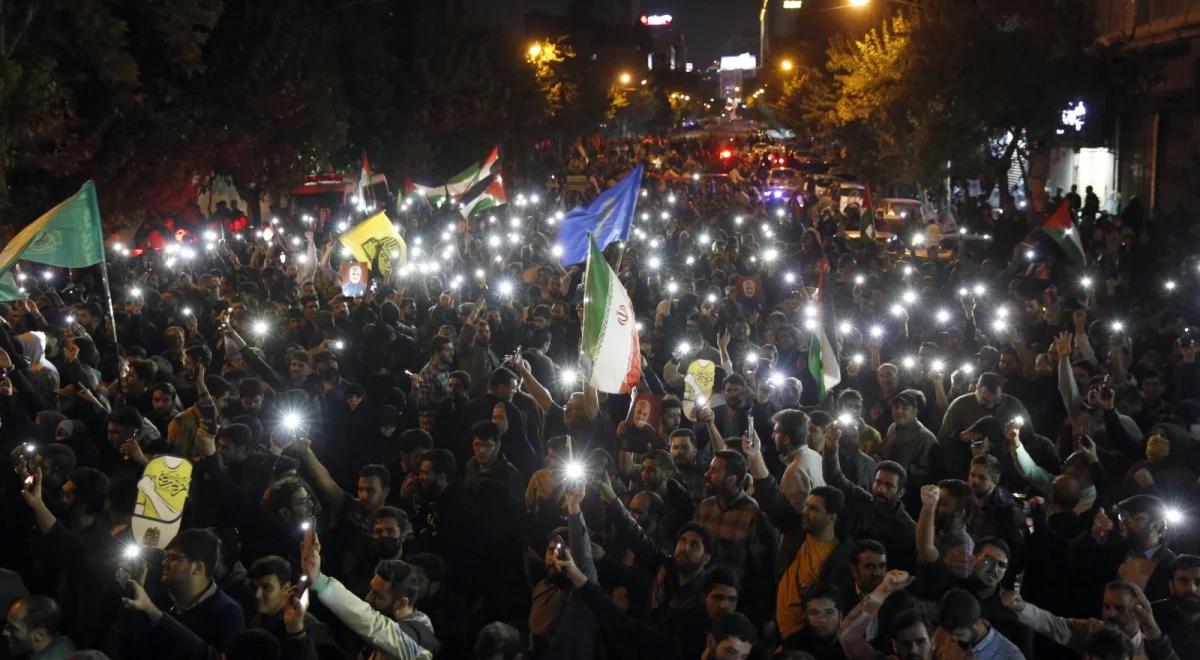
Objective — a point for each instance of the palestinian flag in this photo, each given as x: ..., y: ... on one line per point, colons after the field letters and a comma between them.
x: 488, y: 194
x: 610, y: 336
x: 866, y: 216
x: 364, y: 181
x: 1061, y: 228
x: 459, y: 184
x: 822, y: 358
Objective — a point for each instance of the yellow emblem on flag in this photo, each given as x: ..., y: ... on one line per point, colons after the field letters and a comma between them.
x: 698, y: 386
x: 376, y: 241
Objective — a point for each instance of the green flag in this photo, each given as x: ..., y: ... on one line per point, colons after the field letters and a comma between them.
x: 67, y: 235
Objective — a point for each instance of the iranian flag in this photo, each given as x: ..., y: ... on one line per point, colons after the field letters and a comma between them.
x: 610, y: 335
x: 1060, y: 227
x: 822, y: 358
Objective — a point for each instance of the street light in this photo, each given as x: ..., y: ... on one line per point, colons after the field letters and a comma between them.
x: 535, y: 49
x: 859, y: 3
x: 625, y: 78
x: 786, y: 65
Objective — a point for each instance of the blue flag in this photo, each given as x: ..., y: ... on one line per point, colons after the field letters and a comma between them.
x: 608, y: 218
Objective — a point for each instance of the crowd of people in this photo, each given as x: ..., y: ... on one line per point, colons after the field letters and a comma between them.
x: 1006, y: 467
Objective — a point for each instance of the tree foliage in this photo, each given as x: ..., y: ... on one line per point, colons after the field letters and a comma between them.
x: 952, y: 82
x: 151, y: 98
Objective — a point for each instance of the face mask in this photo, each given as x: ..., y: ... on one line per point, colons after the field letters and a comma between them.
x: 1088, y: 493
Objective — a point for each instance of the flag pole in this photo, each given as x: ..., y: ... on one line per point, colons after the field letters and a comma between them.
x: 112, y: 317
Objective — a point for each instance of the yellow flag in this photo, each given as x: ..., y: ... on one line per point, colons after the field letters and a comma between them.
x: 376, y: 242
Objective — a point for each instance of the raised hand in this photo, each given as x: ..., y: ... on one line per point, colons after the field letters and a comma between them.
x: 1063, y: 345
x: 930, y: 494
x: 1013, y: 601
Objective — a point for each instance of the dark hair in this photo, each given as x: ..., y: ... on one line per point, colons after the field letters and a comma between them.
x: 217, y: 386
x: 720, y: 576
x: 87, y: 351
x: 58, y: 458
x: 461, y: 375
x: 402, y: 579
x: 443, y: 462
x: 735, y: 464
x: 144, y: 369
x: 671, y: 401
x: 699, y: 530
x: 268, y: 566
x: 824, y: 591
x: 433, y: 566
x: 991, y: 381
x: 393, y: 513
x: 91, y: 489
x: 485, y: 429
x: 908, y: 619
x: 733, y: 624
x: 249, y: 388
x: 1108, y: 644
x: 167, y: 388
x: 737, y: 380
x: 280, y: 496
x: 995, y: 542
x: 867, y: 545
x: 958, y: 609
x: 989, y: 462
x: 1184, y: 562
x: 238, y: 435
x: 200, y: 545
x: 127, y: 416
x: 834, y: 500
x: 960, y: 491
x: 415, y: 440
x: 497, y: 638
x: 41, y: 612
x: 793, y: 424
x: 378, y: 471
x: 894, y: 468
x: 200, y: 354
x: 500, y: 376
x: 686, y: 433
x: 436, y: 344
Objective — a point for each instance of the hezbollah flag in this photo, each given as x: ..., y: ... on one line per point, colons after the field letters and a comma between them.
x: 822, y: 358
x: 67, y: 235
x: 610, y: 335
x: 1061, y: 229
x: 377, y: 242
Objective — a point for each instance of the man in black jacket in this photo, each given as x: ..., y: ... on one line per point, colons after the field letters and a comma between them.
x: 1179, y: 614
x: 878, y: 514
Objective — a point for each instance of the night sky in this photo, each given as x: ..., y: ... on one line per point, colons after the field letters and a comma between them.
x: 707, y: 24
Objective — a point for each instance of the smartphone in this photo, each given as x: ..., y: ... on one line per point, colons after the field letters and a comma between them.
x: 560, y: 550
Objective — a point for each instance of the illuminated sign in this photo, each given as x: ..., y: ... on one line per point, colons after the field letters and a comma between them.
x: 793, y: 4
x: 743, y: 62
x: 656, y: 20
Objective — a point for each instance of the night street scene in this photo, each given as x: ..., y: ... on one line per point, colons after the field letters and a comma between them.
x: 600, y: 329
